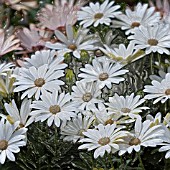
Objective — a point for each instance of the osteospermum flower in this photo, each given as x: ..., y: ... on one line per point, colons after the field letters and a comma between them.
x: 8, y: 44
x: 22, y: 115
x: 141, y: 15
x: 122, y: 54
x: 152, y: 38
x: 103, y: 71
x: 45, y: 57
x: 5, y: 67
x: 103, y: 139
x: 85, y: 95
x: 96, y: 14
x: 128, y: 105
x: 53, y: 107
x: 144, y: 135
x: 158, y: 90
x: 35, y: 81
x: 73, y: 42
x: 73, y: 130
x: 11, y: 138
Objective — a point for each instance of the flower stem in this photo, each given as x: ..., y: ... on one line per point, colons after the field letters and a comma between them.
x: 151, y: 64
x: 140, y: 160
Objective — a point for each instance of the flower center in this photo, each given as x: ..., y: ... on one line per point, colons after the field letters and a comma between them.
x: 104, y: 141
x: 125, y: 110
x: 167, y: 92
x: 54, y: 109
x: 110, y: 121
x: 39, y: 82
x: 152, y: 42
x: 72, y: 47
x: 87, y: 97
x: 134, y: 141
x: 98, y: 16
x: 103, y: 76
x: 3, y: 144
x: 135, y: 24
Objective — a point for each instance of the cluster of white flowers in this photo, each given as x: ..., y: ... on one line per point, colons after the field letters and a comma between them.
x: 81, y: 113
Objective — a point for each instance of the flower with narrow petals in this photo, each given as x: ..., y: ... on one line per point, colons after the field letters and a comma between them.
x: 96, y: 14
x: 103, y: 71
x: 5, y: 67
x: 73, y: 42
x: 35, y: 81
x: 11, y: 138
x: 53, y: 107
x: 158, y: 90
x: 141, y: 15
x: 152, y: 38
x: 103, y: 139
x: 85, y: 95
x: 73, y: 130
x: 144, y: 135
x: 8, y: 44
x: 127, y: 106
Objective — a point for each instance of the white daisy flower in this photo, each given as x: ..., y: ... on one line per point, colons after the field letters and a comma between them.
x: 74, y: 128
x: 55, y: 107
x: 127, y: 106
x: 141, y: 15
x: 96, y: 14
x: 155, y: 120
x: 122, y: 54
x: 103, y: 139
x: 152, y: 38
x: 166, y: 120
x: 5, y: 67
x: 22, y: 115
x: 158, y: 90
x: 45, y: 57
x: 73, y: 42
x: 11, y: 138
x: 144, y: 135
x: 37, y: 80
x: 103, y: 71
x: 85, y: 95
x: 105, y: 117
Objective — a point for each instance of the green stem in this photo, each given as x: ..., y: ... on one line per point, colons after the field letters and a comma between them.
x: 151, y: 63
x: 110, y: 159
x: 159, y: 59
x: 140, y: 160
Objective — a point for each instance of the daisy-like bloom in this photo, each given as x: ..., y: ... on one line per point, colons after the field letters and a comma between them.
x: 21, y: 4
x: 74, y: 128
x: 127, y: 106
x: 73, y: 42
x: 37, y: 80
x: 141, y: 15
x: 155, y: 120
x: 11, y: 138
x: 158, y: 90
x: 85, y: 95
x: 103, y: 71
x: 96, y: 14
x: 60, y: 14
x: 152, y: 38
x: 31, y: 38
x: 5, y: 67
x: 144, y: 135
x: 45, y: 57
x: 166, y: 120
x: 122, y: 54
x: 8, y: 44
x: 105, y: 117
x: 103, y: 139
x: 55, y: 107
x: 22, y: 115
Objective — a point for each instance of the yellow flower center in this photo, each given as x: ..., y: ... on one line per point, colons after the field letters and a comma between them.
x: 39, y: 82
x: 103, y: 76
x: 3, y: 144
x: 87, y: 97
x: 152, y: 42
x: 134, y: 141
x: 167, y: 92
x: 98, y: 16
x: 104, y: 141
x: 72, y: 47
x: 110, y: 121
x: 135, y: 24
x: 125, y: 110
x: 54, y: 109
